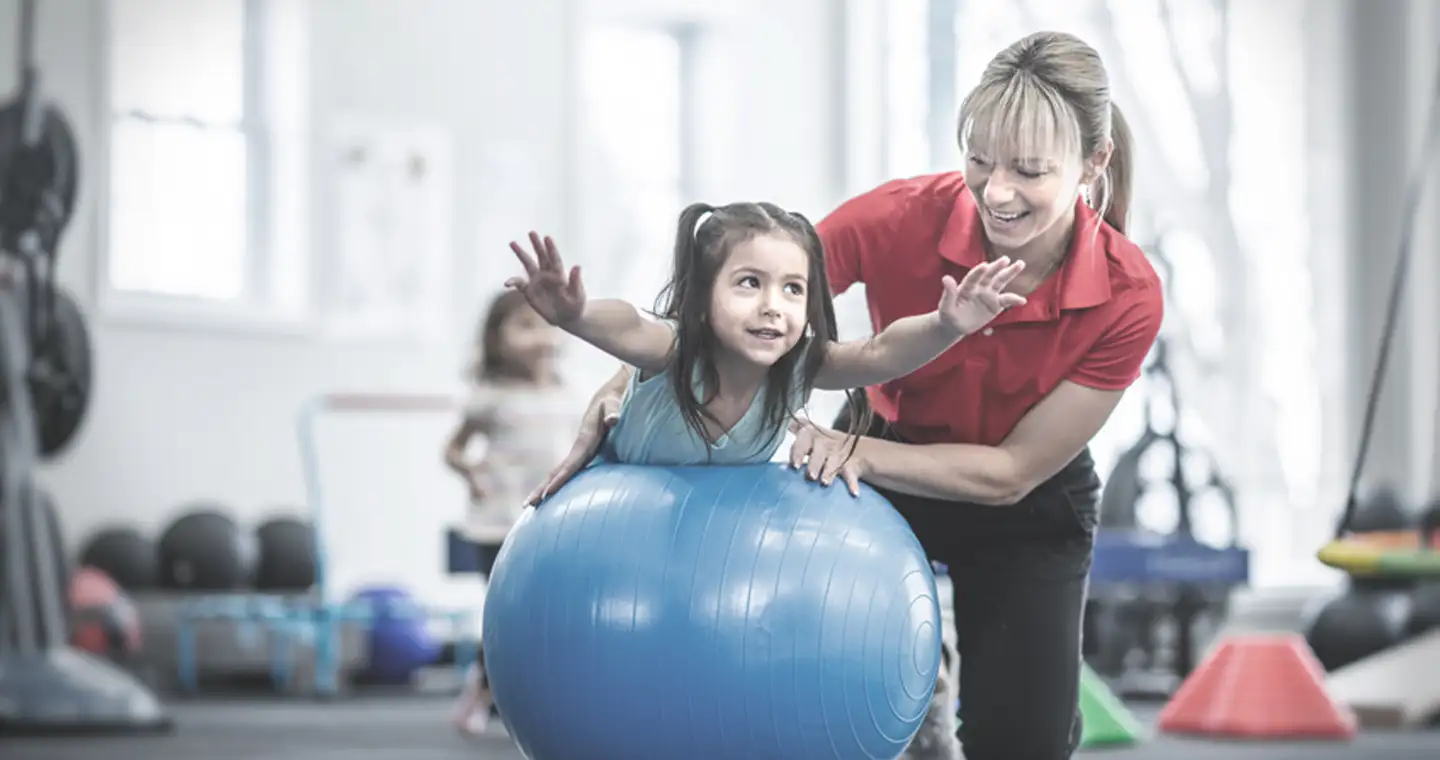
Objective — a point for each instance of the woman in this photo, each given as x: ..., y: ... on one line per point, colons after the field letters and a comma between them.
x: 984, y: 450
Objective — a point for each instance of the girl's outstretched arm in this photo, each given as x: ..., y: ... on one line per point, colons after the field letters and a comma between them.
x: 611, y: 325
x: 619, y: 329
x: 905, y: 346
x: 912, y: 342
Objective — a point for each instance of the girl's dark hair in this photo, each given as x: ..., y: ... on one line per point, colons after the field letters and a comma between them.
x: 492, y: 364
x: 705, y: 237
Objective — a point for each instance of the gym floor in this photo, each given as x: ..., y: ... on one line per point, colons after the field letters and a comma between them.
x: 411, y: 728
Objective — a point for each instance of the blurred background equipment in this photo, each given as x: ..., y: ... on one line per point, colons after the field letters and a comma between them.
x: 286, y: 560
x: 46, y: 686
x: 61, y: 374
x: 126, y: 555
x: 103, y: 620
x: 205, y: 549
x: 1159, y: 592
x: 400, y: 643
x: 1355, y: 666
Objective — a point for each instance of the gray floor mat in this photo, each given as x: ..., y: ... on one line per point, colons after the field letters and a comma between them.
x: 401, y: 728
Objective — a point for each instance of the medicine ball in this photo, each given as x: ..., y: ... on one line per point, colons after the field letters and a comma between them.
x: 1430, y: 527
x: 400, y: 642
x: 1425, y: 600
x: 125, y: 555
x: 205, y: 550
x: 103, y: 621
x: 1424, y: 609
x: 286, y: 548
x: 1383, y: 511
x: 1357, y: 624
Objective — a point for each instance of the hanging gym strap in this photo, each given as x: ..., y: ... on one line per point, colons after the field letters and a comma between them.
x: 1415, y: 190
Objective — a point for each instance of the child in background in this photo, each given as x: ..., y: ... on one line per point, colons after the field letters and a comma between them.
x: 936, y: 738
x: 525, y: 416
x: 745, y: 331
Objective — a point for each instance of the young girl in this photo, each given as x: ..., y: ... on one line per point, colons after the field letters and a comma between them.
x: 520, y: 409
x: 746, y: 331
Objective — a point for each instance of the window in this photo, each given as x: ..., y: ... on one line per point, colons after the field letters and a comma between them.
x: 198, y: 137
x: 907, y: 84
x: 634, y: 155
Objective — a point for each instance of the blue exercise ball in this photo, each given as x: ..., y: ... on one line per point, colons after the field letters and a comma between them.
x: 399, y: 641
x: 711, y: 612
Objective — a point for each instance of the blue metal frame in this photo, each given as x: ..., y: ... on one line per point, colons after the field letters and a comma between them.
x: 315, y: 619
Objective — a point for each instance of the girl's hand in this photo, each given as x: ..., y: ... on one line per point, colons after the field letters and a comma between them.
x: 825, y: 453
x: 554, y: 295
x: 980, y: 297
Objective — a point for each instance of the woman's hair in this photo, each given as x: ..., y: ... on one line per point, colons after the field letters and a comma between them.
x: 1051, y: 89
x: 492, y: 364
x: 706, y: 236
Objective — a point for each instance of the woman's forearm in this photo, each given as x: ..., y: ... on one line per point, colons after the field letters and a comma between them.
x: 944, y: 471
x: 615, y: 386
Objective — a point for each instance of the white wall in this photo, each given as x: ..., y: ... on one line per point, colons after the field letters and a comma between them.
x: 182, y: 414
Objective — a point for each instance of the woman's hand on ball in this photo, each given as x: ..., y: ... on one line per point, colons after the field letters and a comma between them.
x: 825, y: 453
x: 600, y: 416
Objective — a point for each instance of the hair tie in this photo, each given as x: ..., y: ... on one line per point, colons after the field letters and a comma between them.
x: 700, y: 221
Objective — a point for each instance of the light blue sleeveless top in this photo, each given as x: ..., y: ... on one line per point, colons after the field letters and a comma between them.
x: 651, y: 429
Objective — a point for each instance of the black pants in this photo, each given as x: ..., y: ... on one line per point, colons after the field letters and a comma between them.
x: 465, y: 556
x: 1019, y: 574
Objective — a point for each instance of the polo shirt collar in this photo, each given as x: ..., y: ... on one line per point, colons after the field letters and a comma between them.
x: 1082, y: 282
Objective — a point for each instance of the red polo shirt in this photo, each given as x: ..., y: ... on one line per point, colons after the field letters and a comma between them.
x: 1092, y: 322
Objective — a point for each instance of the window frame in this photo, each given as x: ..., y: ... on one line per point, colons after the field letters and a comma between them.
x: 259, y: 306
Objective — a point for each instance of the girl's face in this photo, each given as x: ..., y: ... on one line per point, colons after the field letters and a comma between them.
x: 759, y: 299
x: 526, y: 338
